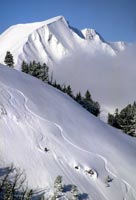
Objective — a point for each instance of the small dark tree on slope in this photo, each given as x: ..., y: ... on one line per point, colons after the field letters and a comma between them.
x: 9, y: 59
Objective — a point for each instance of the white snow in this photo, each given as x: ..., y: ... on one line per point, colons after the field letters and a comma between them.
x: 45, y: 38
x: 107, y: 69
x: 33, y: 115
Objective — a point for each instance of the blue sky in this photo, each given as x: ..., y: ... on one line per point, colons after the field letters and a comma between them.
x: 113, y: 19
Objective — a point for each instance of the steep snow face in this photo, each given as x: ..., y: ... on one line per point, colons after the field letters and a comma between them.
x: 49, y: 41
x: 33, y: 115
x: 17, y: 37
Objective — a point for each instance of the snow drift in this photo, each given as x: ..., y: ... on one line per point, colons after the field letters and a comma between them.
x: 33, y: 115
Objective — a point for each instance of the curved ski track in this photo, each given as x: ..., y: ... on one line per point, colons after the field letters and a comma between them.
x: 127, y: 186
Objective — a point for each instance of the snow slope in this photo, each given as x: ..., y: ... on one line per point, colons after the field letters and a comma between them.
x: 82, y: 59
x: 33, y: 115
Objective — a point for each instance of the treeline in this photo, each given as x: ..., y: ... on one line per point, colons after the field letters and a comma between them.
x: 124, y: 119
x: 41, y: 71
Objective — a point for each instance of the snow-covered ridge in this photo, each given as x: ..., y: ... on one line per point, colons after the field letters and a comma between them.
x: 14, y: 38
x: 20, y: 40
x: 83, y: 149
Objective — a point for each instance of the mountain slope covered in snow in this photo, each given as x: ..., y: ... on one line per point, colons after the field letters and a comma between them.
x: 49, y: 41
x: 33, y: 115
x: 81, y: 58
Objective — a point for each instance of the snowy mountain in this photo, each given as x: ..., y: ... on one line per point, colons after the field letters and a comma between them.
x: 48, y: 41
x: 33, y: 115
x: 81, y: 58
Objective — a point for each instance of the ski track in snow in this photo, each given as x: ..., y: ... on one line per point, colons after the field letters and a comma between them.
x: 11, y: 100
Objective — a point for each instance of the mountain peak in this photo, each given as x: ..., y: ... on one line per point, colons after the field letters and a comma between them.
x: 51, y: 40
x: 91, y: 34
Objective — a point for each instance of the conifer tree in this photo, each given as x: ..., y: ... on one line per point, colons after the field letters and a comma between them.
x: 24, y: 67
x: 69, y: 90
x: 90, y: 105
x: 45, y: 73
x: 9, y: 61
x: 78, y: 98
x: 64, y: 89
x: 58, y: 184
x: 88, y: 96
x: 125, y: 119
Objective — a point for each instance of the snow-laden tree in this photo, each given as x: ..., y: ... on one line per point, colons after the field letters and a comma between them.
x: 58, y: 184
x: 74, y: 192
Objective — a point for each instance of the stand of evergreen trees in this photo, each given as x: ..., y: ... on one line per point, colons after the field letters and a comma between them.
x: 37, y: 70
x: 42, y: 72
x: 125, y: 119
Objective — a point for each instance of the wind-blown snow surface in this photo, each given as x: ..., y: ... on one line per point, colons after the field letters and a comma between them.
x: 82, y: 59
x: 33, y: 115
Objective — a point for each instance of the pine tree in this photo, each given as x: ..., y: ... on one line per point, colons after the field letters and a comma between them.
x: 78, y: 98
x: 45, y: 73
x: 110, y: 119
x: 133, y: 121
x: 125, y: 119
x: 64, y: 89
x: 113, y: 120
x: 58, y: 184
x: 88, y: 96
x: 58, y: 188
x: 24, y: 67
x: 69, y: 90
x: 90, y: 105
x: 9, y: 59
